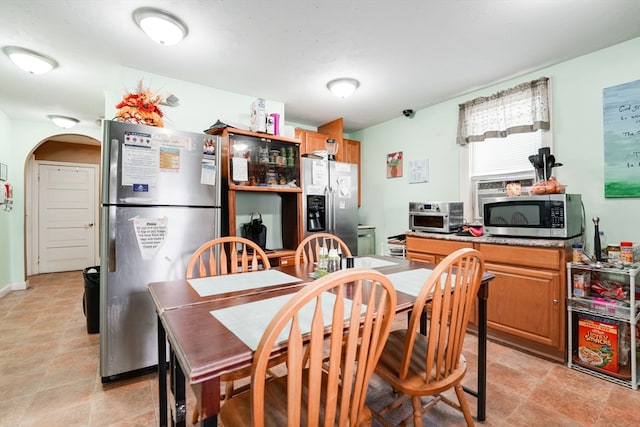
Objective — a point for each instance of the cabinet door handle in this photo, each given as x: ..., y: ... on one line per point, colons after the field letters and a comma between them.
x: 555, y: 301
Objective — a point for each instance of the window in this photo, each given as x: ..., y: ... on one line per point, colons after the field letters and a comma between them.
x: 497, y: 134
x: 504, y: 156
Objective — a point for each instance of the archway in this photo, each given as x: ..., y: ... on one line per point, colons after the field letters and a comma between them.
x: 66, y: 152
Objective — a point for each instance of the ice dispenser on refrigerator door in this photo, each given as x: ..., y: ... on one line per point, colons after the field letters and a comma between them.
x: 316, y: 220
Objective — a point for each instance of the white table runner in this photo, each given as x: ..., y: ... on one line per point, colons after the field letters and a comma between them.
x: 214, y: 285
x: 410, y: 282
x: 368, y: 262
x: 249, y: 321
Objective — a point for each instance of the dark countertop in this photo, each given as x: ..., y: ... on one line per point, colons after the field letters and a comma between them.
x: 501, y: 240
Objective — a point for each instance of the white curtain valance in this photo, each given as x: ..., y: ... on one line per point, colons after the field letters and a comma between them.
x: 523, y: 108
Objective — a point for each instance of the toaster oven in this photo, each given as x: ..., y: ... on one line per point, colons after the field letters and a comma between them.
x: 436, y: 217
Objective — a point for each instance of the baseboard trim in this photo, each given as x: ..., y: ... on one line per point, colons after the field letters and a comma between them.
x: 5, y: 291
x: 18, y: 286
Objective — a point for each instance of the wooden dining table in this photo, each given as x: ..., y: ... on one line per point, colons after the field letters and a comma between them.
x: 202, y: 348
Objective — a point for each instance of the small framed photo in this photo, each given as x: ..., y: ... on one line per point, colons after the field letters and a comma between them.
x: 394, y: 164
x: 3, y: 172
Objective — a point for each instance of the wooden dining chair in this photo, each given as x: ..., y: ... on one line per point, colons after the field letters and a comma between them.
x: 309, y: 249
x: 226, y: 255
x: 221, y: 256
x: 416, y: 365
x: 311, y: 394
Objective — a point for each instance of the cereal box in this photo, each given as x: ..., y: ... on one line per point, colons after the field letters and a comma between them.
x: 598, y: 343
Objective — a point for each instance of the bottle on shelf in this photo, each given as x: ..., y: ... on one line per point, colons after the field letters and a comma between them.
x: 626, y: 252
x: 333, y: 261
x: 613, y: 252
x: 577, y: 252
x: 323, y: 259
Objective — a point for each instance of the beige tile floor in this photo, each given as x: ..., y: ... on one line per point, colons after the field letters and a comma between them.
x: 49, y: 375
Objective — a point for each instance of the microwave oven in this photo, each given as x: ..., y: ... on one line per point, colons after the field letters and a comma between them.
x: 436, y: 217
x: 550, y: 215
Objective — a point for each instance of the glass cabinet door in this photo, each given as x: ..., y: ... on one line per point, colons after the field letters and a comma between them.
x: 263, y: 162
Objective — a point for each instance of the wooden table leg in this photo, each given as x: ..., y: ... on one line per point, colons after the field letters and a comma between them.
x: 162, y: 374
x: 208, y: 396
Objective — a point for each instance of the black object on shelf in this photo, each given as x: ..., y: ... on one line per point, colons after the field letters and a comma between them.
x: 91, y: 298
x: 255, y: 230
x: 596, y: 240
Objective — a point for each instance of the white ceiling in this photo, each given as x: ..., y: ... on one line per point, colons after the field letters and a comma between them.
x: 407, y: 54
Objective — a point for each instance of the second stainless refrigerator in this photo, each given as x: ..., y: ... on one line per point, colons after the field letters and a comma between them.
x: 330, y: 199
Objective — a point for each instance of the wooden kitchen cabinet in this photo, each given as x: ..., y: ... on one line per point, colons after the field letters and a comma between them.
x: 350, y: 153
x: 529, y: 305
x: 526, y: 305
x: 348, y: 149
x: 311, y: 141
x: 335, y: 130
x: 277, y: 175
x: 432, y: 250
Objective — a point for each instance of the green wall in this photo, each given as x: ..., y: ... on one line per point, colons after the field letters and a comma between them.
x: 577, y: 131
x: 5, y: 217
x: 578, y: 143
x: 199, y: 108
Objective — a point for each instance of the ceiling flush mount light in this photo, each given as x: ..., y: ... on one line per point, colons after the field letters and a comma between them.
x: 343, y: 88
x: 162, y: 27
x: 64, y: 122
x: 29, y: 60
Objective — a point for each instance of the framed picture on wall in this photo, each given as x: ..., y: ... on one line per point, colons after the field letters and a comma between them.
x: 394, y: 164
x: 3, y: 172
x: 418, y: 171
x: 621, y: 108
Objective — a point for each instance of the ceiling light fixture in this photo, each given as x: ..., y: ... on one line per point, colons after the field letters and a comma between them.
x: 162, y: 27
x: 64, y: 122
x: 29, y: 60
x: 344, y: 87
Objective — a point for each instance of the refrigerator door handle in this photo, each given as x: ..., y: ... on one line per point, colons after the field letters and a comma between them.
x: 331, y: 210
x: 110, y: 187
x: 111, y: 239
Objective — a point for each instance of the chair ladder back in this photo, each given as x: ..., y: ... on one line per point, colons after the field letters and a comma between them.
x: 418, y: 366
x: 309, y: 249
x: 451, y: 287
x: 226, y: 255
x: 352, y: 355
x: 254, y: 262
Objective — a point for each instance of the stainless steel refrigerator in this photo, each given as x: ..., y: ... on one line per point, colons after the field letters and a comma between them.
x: 160, y: 202
x: 330, y: 199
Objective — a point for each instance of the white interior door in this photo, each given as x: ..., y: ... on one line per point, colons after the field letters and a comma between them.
x: 67, y: 217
